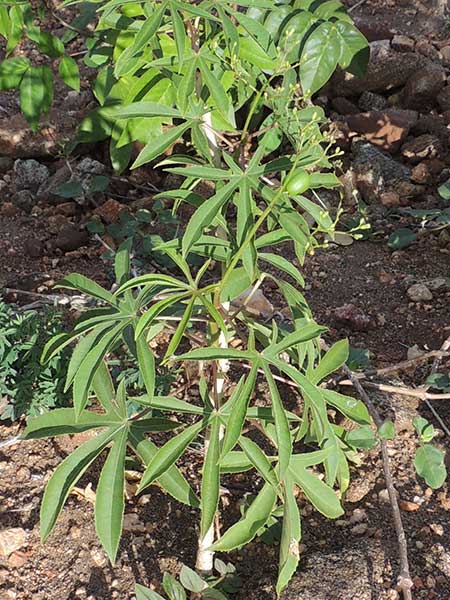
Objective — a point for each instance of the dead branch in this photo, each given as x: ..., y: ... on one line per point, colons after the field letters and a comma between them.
x: 404, y: 581
x: 420, y: 393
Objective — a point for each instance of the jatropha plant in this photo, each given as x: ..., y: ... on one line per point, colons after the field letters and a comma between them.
x: 232, y: 82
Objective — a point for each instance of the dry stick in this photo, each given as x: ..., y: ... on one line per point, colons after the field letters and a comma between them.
x: 437, y: 361
x: 404, y: 391
x: 404, y: 580
x: 405, y: 364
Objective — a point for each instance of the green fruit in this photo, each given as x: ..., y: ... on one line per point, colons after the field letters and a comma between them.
x: 298, y: 182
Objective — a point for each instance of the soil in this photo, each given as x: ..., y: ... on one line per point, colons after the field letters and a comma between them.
x: 353, y: 558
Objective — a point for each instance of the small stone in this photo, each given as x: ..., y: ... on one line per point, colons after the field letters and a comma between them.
x: 437, y: 528
x: 98, y: 557
x: 344, y: 106
x: 24, y: 200
x: 383, y: 496
x: 360, y: 529
x: 423, y: 86
x: 424, y: 146
x: 419, y: 293
x: 17, y: 560
x: 408, y: 506
x: 443, y: 98
x: 438, y: 284
x: 402, y: 43
x: 11, y: 540
x: 445, y: 53
x: 414, y: 352
x: 386, y: 129
x: 6, y: 164
x: 110, y: 211
x: 8, y: 209
x: 358, y: 515
x: 71, y: 238
x: 390, y: 199
x: 34, y: 248
x: 369, y: 101
x: 29, y: 174
x: 421, y: 174
x: 352, y: 316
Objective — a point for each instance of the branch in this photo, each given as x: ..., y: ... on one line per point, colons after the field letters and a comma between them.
x: 404, y: 581
x: 420, y: 393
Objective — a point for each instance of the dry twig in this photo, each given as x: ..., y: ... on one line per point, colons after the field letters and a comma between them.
x: 404, y: 581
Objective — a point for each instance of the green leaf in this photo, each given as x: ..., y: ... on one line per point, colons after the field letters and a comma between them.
x: 85, y: 374
x: 429, y: 464
x: 146, y: 362
x: 103, y: 387
x: 424, y: 429
x: 204, y: 216
x: 11, y: 71
x: 148, y: 29
x: 168, y: 454
x: 284, y: 265
x: 361, y: 437
x: 246, y: 528
x: 319, y: 59
x: 350, y: 407
x: 215, y: 88
x: 401, y: 238
x: 69, y: 73
x: 122, y: 261
x: 290, y: 537
x: 66, y: 476
x: 321, y: 495
x: 309, y: 332
x: 210, y: 478
x: 217, y: 354
x: 259, y: 460
x: 36, y: 93
x: 284, y: 441
x: 147, y: 109
x: 354, y: 54
x: 179, y: 33
x: 181, y: 328
x: 332, y: 361
x: 235, y: 462
x: 109, y: 501
x: 158, y: 146
x: 81, y: 350
x: 191, y: 581
x: 83, y: 284
x: 48, y: 44
x: 70, y: 189
x: 387, y: 430
x: 55, y: 344
x: 238, y: 412
x: 172, y: 481
x: 61, y: 421
x: 154, y: 311
x: 143, y: 593
x: 444, y: 190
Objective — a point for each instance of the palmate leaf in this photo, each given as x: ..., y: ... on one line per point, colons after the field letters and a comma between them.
x: 172, y: 481
x: 87, y: 286
x: 290, y: 537
x: 146, y: 362
x: 158, y: 146
x: 259, y: 460
x: 84, y: 376
x: 103, y: 387
x: 246, y: 528
x: 284, y: 440
x: 61, y: 421
x: 321, y: 496
x: 210, y: 477
x: 239, y: 411
x: 109, y: 501
x: 333, y: 360
x: 168, y: 454
x: 66, y: 476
